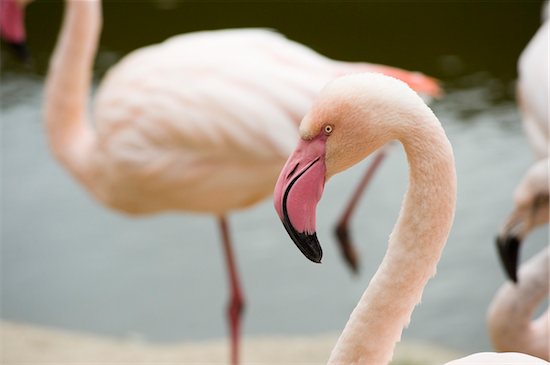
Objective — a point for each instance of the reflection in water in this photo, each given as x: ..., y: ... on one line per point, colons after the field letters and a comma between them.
x: 68, y: 262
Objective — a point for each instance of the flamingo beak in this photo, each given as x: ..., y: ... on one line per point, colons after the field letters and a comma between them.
x: 12, y: 27
x: 508, y: 250
x: 297, y: 192
x: 509, y: 240
x: 518, y: 225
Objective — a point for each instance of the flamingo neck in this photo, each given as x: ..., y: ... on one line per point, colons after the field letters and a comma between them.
x: 511, y: 326
x: 414, y: 249
x: 68, y: 84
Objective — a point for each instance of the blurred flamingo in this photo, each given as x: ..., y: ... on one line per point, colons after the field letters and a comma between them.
x: 510, y: 315
x: 353, y: 116
x: 531, y: 210
x: 532, y: 88
x: 510, y: 323
x: 12, y: 26
x: 202, y: 122
x: 531, y: 196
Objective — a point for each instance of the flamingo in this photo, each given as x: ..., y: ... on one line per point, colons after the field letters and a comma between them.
x: 531, y: 210
x: 510, y: 314
x: 12, y: 26
x: 531, y: 196
x: 353, y: 116
x: 202, y: 122
x: 532, y: 88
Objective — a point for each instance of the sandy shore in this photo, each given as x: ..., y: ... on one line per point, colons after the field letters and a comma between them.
x: 28, y: 344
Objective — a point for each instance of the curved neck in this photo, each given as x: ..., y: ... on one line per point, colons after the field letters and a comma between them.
x: 414, y: 249
x: 510, y: 316
x: 68, y: 85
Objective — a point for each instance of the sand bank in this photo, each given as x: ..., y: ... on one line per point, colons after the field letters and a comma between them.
x: 29, y: 344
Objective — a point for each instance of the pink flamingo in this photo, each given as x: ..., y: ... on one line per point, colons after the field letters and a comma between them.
x: 353, y: 116
x: 531, y: 197
x: 531, y: 210
x: 532, y: 88
x: 12, y: 25
x: 200, y: 123
x: 511, y: 327
x: 510, y: 314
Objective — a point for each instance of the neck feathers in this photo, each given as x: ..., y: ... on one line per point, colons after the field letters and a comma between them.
x: 68, y: 84
x: 415, y: 246
x: 510, y: 316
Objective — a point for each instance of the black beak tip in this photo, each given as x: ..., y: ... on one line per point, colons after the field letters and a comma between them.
x: 315, y: 259
x: 316, y: 255
x: 20, y: 50
x: 309, y: 245
x: 508, y: 250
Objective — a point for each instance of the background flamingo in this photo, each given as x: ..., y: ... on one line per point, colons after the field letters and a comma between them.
x: 532, y: 88
x: 12, y: 26
x: 510, y: 315
x: 352, y: 117
x: 200, y: 123
x: 531, y: 197
x: 531, y: 210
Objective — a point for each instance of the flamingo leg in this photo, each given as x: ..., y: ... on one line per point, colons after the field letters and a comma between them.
x: 342, y: 228
x: 236, y: 300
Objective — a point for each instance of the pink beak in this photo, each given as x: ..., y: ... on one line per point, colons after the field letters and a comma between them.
x: 297, y: 192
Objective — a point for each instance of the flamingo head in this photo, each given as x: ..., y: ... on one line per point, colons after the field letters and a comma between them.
x: 531, y: 210
x: 348, y: 121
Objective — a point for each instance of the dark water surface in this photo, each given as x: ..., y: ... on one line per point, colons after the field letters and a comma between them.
x: 71, y: 263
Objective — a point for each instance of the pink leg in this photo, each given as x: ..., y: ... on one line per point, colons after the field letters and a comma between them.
x: 236, y: 301
x: 342, y: 228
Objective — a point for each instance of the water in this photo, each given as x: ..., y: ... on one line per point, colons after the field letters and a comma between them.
x: 69, y: 262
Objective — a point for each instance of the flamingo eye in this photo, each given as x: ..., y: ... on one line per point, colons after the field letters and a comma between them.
x: 328, y: 129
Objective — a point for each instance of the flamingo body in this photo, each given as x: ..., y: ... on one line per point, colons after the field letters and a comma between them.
x: 533, y: 98
x: 494, y: 358
x: 532, y: 90
x: 204, y: 121
x: 170, y: 117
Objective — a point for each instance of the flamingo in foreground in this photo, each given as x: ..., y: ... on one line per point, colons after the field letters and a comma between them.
x: 200, y: 123
x: 352, y: 117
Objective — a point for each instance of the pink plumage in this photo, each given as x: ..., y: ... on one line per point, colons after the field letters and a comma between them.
x: 367, y: 111
x: 202, y: 122
x: 511, y: 322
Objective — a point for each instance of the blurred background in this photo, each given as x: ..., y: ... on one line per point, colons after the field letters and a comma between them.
x: 70, y: 263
